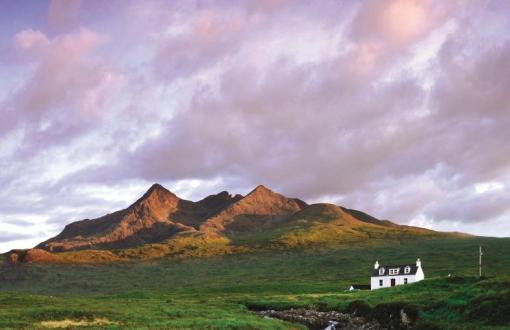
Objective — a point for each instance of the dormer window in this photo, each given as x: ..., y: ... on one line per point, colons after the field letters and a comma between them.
x: 407, y: 270
x: 381, y: 271
x: 394, y: 271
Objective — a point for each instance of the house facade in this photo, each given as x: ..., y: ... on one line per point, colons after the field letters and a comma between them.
x: 388, y: 276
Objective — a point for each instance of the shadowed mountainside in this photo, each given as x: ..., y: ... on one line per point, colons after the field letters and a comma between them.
x: 162, y: 224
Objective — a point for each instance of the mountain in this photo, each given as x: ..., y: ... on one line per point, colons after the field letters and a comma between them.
x: 260, y: 209
x: 156, y: 216
x: 162, y: 224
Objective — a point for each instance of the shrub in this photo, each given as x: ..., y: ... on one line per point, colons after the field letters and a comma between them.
x: 426, y: 325
x: 460, y: 279
x: 323, y: 306
x: 61, y: 314
x: 494, y: 310
x: 327, y: 305
x: 262, y: 305
x: 397, y: 315
x: 412, y: 312
x: 359, y: 308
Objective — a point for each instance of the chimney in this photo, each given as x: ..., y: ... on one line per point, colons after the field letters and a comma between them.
x: 418, y: 263
x: 376, y: 265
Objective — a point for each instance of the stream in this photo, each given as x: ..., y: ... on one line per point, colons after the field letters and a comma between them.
x: 316, y: 320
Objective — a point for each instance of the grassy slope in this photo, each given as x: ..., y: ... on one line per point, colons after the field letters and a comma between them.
x: 198, y: 293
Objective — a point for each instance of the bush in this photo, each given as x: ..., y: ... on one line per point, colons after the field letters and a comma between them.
x: 396, y: 315
x: 323, y: 306
x: 460, y: 280
x: 262, y: 305
x: 327, y: 305
x: 61, y: 314
x: 359, y: 308
x: 412, y: 312
x: 426, y: 325
x: 494, y: 310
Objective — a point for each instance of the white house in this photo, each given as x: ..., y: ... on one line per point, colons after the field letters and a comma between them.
x: 387, y: 276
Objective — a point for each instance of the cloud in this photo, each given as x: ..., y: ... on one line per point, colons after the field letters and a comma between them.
x: 63, y: 14
x: 398, y: 108
x: 279, y: 123
x: 62, y: 94
x: 8, y: 237
x: 398, y: 22
x: 200, y: 39
x: 31, y: 41
x: 471, y: 208
x: 309, y: 131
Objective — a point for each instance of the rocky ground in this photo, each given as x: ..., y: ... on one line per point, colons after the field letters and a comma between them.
x: 316, y: 320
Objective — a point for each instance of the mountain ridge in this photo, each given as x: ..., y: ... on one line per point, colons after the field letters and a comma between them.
x: 162, y: 224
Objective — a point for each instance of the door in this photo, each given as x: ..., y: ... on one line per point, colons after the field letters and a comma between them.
x: 392, y: 282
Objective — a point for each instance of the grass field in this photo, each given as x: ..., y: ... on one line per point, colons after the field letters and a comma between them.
x: 216, y: 292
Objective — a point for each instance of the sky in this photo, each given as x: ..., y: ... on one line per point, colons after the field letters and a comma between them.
x: 399, y: 108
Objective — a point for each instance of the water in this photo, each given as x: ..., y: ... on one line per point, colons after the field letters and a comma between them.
x: 332, y: 325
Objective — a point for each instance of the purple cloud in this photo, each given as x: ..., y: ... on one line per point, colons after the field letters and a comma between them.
x: 397, y: 108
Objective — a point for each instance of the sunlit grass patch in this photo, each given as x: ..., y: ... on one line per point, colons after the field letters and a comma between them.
x: 76, y: 323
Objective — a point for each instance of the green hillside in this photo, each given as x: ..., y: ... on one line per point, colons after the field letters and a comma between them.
x: 216, y: 292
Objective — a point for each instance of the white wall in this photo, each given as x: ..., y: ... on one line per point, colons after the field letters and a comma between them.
x: 399, y: 280
x: 419, y: 275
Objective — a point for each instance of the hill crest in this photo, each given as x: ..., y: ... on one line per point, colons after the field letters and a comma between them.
x: 160, y: 223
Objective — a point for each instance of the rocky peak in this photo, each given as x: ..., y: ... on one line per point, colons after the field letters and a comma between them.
x: 261, y: 190
x: 219, y: 200
x: 263, y: 195
x: 157, y: 194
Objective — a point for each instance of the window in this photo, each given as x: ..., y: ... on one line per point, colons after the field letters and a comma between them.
x: 380, y: 282
x: 394, y: 271
x: 407, y: 270
x: 405, y: 280
x: 381, y: 271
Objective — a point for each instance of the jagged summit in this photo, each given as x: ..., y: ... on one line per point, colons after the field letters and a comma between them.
x: 157, y: 191
x: 219, y: 200
x: 157, y: 186
x: 261, y: 189
x: 263, y: 194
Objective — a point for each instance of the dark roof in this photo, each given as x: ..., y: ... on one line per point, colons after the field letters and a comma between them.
x: 400, y: 268
x: 361, y: 286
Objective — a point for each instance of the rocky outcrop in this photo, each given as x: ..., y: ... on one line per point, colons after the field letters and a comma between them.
x: 316, y: 320
x: 38, y: 255
x: 13, y: 258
